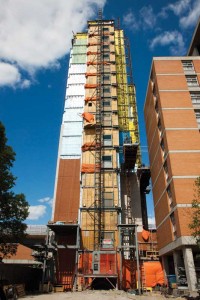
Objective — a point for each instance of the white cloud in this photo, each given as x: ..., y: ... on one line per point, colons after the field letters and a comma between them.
x: 151, y: 222
x: 9, y: 74
x: 36, y: 212
x: 188, y: 12
x: 35, y: 34
x: 46, y: 200
x: 179, y: 7
x: 192, y: 17
x: 130, y: 21
x: 147, y: 16
x: 145, y: 19
x: 173, y: 39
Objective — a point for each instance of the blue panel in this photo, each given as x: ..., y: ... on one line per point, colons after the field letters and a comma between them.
x: 124, y: 138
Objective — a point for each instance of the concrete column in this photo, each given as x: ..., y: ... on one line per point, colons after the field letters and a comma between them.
x: 177, y: 262
x: 165, y: 267
x: 190, y: 269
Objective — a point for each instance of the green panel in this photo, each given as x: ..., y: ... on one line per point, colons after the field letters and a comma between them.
x: 80, y: 42
x: 79, y: 49
x: 78, y: 59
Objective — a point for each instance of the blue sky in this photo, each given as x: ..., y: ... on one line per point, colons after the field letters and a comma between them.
x: 35, y: 40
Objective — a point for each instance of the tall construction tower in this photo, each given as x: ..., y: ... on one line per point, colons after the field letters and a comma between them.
x: 99, y: 201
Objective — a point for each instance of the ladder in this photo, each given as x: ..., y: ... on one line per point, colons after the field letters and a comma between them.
x: 123, y: 120
x: 143, y: 277
x: 98, y: 176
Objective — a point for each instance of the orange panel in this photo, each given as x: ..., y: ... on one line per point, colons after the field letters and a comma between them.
x: 68, y: 191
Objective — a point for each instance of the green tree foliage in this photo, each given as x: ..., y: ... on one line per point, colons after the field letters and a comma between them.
x: 13, y: 207
x: 195, y: 223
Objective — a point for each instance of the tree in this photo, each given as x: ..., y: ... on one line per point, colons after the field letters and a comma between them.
x: 13, y: 207
x: 195, y: 223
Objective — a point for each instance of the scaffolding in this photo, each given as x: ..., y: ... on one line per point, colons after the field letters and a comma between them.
x: 98, y: 176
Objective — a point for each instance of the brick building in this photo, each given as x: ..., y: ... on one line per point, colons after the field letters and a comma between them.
x: 172, y: 117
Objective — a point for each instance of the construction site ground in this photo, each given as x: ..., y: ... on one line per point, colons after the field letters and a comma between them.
x: 98, y: 295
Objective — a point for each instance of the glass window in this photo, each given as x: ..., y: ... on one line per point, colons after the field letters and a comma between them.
x: 165, y: 166
x: 159, y: 126
x: 192, y: 80
x: 197, y: 113
x: 106, y: 77
x: 107, y: 119
x: 107, y: 140
x: 107, y: 161
x: 105, y: 47
x: 105, y: 37
x: 106, y: 56
x: 105, y: 29
x: 195, y: 96
x: 106, y: 89
x: 108, y: 239
x: 162, y: 145
x: 187, y: 65
x: 107, y: 158
x: 173, y: 222
x: 108, y: 198
x: 169, y: 194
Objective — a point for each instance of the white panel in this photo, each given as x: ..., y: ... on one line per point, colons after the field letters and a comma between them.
x: 76, y: 78
x: 74, y: 101
x: 75, y: 89
x: 77, y: 68
x: 72, y: 128
x: 73, y: 114
x: 71, y: 146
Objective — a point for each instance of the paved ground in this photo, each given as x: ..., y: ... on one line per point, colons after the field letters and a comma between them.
x: 95, y: 295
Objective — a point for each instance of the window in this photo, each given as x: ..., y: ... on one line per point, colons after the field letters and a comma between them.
x: 106, y: 104
x: 187, y: 65
x: 107, y: 119
x: 106, y: 68
x: 169, y: 194
x: 106, y: 77
x: 107, y: 161
x: 165, y: 166
x: 154, y: 92
x: 159, y: 126
x: 106, y: 56
x: 105, y: 47
x: 108, y: 198
x: 105, y: 29
x: 192, y: 80
x: 173, y: 222
x: 106, y: 89
x: 162, y: 145
x: 89, y: 103
x: 105, y: 37
x: 107, y: 158
x: 197, y: 113
x: 107, y: 140
x: 156, y: 107
x: 195, y: 96
x: 107, y: 239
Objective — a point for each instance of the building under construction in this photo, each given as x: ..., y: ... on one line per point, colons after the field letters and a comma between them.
x: 99, y: 209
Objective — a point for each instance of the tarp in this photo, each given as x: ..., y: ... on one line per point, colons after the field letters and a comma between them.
x: 91, y: 86
x: 89, y: 146
x: 93, y: 44
x: 91, y: 98
x: 89, y: 168
x: 154, y: 274
x: 145, y: 234
x: 91, y: 53
x: 98, y: 63
x: 88, y: 117
x: 92, y: 74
